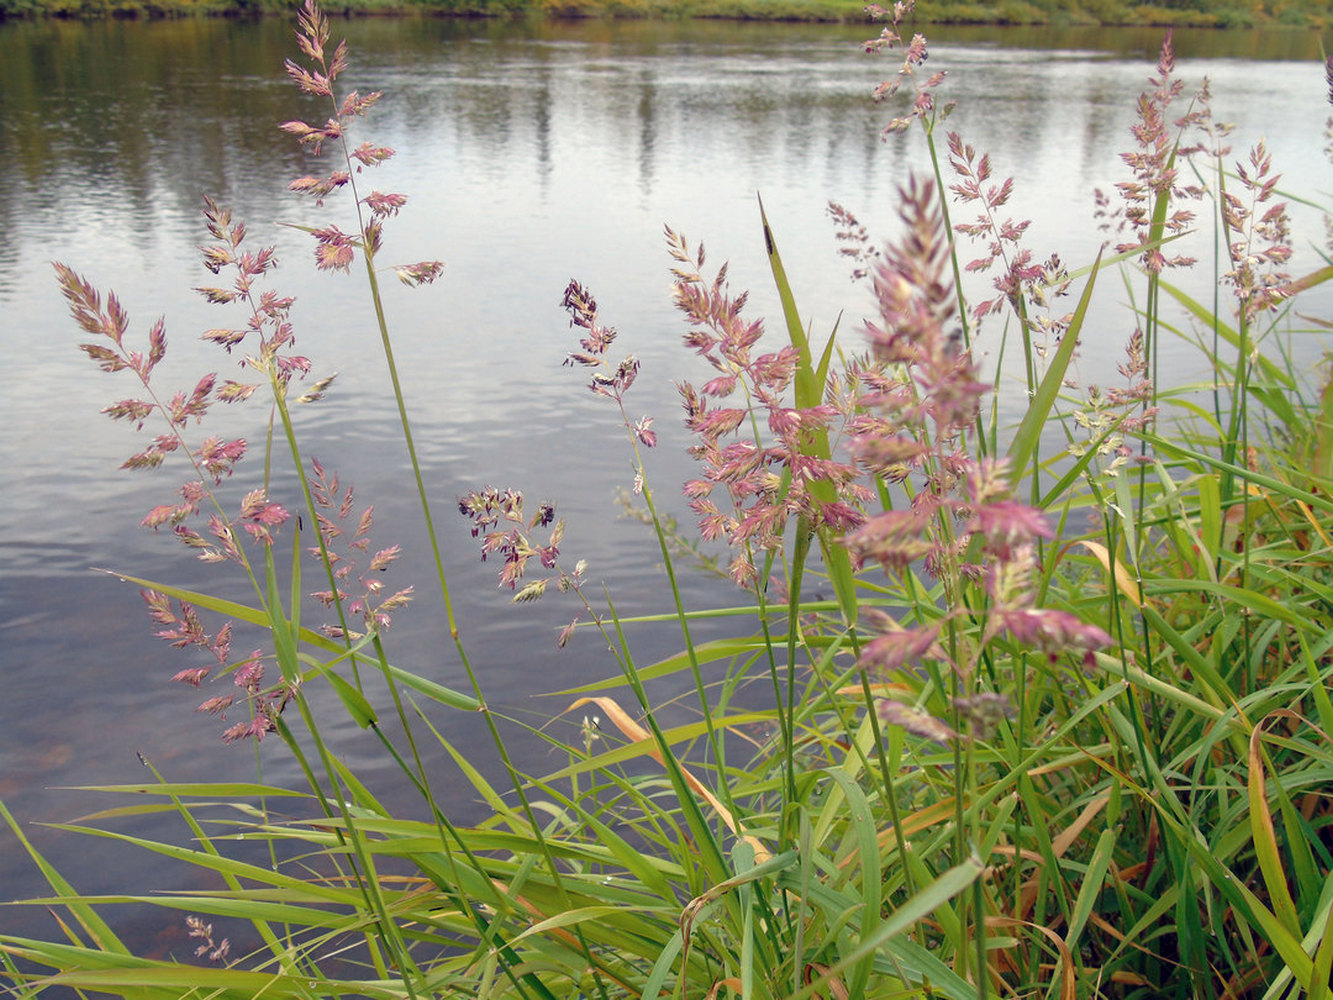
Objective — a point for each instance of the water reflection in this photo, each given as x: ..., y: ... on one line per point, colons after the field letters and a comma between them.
x: 531, y: 153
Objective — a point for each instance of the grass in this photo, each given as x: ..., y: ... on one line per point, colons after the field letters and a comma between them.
x: 1060, y: 727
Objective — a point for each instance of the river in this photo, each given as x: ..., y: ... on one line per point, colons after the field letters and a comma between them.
x: 531, y: 154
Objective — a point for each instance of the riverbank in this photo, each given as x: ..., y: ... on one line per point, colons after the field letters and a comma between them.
x: 1182, y: 13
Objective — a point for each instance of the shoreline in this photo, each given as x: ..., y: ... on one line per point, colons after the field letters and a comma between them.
x: 1302, y: 14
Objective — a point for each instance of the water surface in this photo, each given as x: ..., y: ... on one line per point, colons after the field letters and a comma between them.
x: 530, y: 154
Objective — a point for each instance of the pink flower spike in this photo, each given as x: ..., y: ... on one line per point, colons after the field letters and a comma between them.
x: 563, y: 638
x: 1008, y: 524
x: 250, y: 672
x: 384, y: 204
x: 916, y: 722
x: 905, y: 647
x: 255, y: 728
x: 644, y: 434
x: 1055, y: 632
x: 356, y: 105
x: 422, y: 273
x: 315, y: 84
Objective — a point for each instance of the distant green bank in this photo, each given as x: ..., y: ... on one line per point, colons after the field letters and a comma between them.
x: 1192, y: 13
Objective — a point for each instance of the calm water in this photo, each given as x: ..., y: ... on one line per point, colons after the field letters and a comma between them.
x: 531, y: 155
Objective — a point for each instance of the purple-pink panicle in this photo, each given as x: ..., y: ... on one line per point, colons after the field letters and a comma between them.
x: 217, y: 952
x: 498, y: 517
x: 357, y: 575
x: 216, y: 459
x: 915, y: 54
x: 1258, y: 236
x: 1022, y: 281
x: 962, y: 525
x: 764, y: 480
x: 334, y: 248
x: 178, y: 623
x: 213, y: 459
x: 1155, y: 162
x: 854, y: 239
x: 611, y: 381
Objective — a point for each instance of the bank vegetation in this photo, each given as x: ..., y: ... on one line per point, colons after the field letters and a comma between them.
x: 1166, y: 13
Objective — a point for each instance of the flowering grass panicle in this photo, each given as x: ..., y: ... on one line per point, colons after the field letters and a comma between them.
x: 915, y: 54
x: 768, y: 479
x: 266, y: 337
x: 611, y: 381
x: 334, y: 248
x: 490, y: 508
x: 369, y: 603
x: 961, y: 525
x: 178, y: 623
x: 497, y: 515
x: 1022, y: 282
x: 1258, y: 236
x: 213, y: 459
x: 216, y: 951
x: 1108, y: 415
x: 269, y: 318
x: 265, y: 703
x: 1147, y: 198
x: 854, y: 239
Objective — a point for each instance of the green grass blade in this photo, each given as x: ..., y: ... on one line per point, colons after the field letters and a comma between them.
x: 932, y: 897
x: 867, y: 843
x: 1265, y: 837
x: 1091, y: 887
x: 97, y: 928
x: 809, y: 391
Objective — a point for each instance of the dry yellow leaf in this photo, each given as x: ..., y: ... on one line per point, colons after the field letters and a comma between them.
x: 1124, y: 579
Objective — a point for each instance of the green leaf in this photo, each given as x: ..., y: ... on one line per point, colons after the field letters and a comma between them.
x: 916, y: 908
x: 1091, y: 887
x: 353, y: 700
x: 227, y: 789
x: 1239, y: 597
x: 867, y: 843
x: 1265, y: 838
x: 1322, y: 465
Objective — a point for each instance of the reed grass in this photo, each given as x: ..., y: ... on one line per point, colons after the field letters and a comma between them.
x: 1075, y: 744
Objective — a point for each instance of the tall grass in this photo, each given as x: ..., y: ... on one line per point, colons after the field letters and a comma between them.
x: 1073, y: 744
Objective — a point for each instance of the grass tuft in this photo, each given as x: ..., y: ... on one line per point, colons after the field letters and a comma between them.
x: 1062, y: 729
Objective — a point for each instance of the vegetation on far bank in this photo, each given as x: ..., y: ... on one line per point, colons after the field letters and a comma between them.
x: 1181, y: 13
